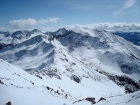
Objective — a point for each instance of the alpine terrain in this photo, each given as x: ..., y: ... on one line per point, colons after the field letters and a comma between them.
x: 133, y: 37
x: 71, y: 66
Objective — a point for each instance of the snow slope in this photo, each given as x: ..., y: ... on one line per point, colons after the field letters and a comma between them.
x: 69, y: 64
x: 100, y: 49
x: 22, y: 88
x: 133, y: 37
x: 129, y: 99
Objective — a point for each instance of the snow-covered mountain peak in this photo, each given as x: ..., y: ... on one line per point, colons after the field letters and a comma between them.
x: 20, y: 34
x: 84, y: 43
x: 35, y: 31
x: 62, y: 31
x: 68, y: 61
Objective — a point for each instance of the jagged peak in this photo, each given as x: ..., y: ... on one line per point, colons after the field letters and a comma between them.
x: 61, y: 31
x: 36, y: 39
x: 99, y: 30
x: 21, y: 33
x: 4, y: 32
x: 36, y: 31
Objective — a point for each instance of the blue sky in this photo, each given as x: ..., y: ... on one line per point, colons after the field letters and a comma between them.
x: 24, y: 14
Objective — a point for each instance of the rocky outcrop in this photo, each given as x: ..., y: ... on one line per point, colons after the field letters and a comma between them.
x: 75, y: 78
x: 101, y: 99
x: 91, y: 99
x: 9, y: 103
x: 128, y: 83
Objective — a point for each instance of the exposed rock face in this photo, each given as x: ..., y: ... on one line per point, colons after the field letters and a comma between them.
x: 129, y: 84
x: 101, y: 99
x: 9, y: 103
x: 91, y: 99
x: 133, y: 37
x: 1, y: 82
x: 75, y: 78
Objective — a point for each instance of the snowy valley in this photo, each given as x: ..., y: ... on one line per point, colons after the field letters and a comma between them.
x: 72, y: 66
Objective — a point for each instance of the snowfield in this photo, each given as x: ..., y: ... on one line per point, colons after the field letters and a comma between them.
x: 68, y: 67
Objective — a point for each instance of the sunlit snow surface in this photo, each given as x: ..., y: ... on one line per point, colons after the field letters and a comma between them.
x: 51, y: 64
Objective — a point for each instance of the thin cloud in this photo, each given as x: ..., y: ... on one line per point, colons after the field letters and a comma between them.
x: 129, y: 4
x: 27, y: 23
x: 53, y: 20
x: 126, y: 5
x: 111, y: 26
x: 3, y: 29
x: 50, y: 20
x: 22, y: 23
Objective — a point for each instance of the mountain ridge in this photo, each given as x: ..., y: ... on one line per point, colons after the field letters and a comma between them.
x: 88, y: 59
x: 133, y: 37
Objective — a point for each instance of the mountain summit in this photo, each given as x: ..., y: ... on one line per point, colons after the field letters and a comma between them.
x: 72, y: 63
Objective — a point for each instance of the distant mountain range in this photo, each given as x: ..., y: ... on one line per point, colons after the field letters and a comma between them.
x: 133, y: 37
x: 70, y: 66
